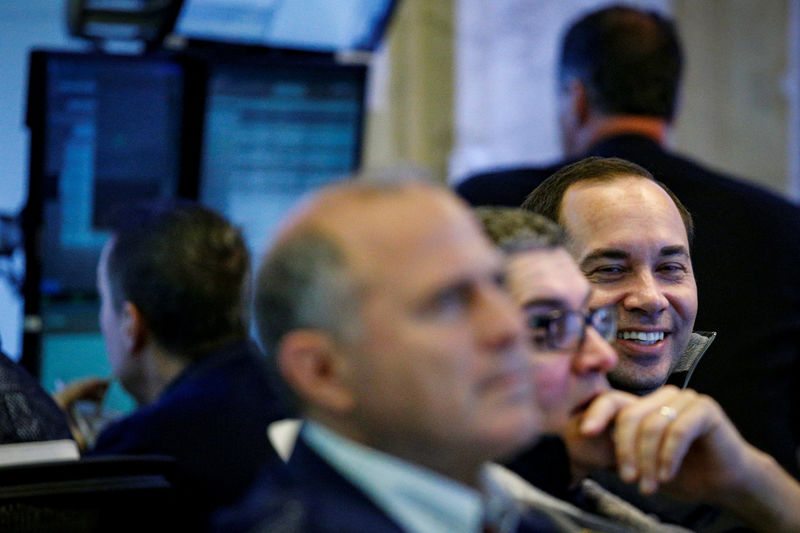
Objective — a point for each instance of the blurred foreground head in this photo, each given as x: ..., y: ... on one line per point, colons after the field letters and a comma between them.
x: 383, y: 308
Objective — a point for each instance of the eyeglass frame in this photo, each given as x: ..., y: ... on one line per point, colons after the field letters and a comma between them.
x: 587, y: 319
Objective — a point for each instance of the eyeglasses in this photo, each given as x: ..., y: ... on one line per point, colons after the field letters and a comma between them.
x: 566, y: 330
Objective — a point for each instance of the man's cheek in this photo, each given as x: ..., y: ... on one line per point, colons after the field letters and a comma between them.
x: 550, y: 385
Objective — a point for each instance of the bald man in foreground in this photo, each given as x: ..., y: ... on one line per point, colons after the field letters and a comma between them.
x: 384, y: 309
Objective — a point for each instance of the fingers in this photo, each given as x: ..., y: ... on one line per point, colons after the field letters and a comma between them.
x: 685, y: 430
x: 654, y: 440
x: 667, y: 423
x: 588, y: 453
x: 603, y: 410
x: 653, y: 435
x: 95, y: 388
x: 588, y: 435
x: 629, y: 425
x: 86, y: 389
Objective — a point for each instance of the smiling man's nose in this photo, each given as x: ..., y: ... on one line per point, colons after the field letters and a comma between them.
x: 645, y: 295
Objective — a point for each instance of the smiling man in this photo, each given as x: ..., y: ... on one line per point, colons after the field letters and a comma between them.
x: 631, y: 239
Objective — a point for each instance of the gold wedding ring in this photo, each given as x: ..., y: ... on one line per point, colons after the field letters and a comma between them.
x: 668, y: 412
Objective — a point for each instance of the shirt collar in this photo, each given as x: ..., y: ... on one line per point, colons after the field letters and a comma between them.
x: 418, y: 499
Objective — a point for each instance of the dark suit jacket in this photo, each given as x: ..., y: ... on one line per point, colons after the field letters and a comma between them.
x: 320, y: 500
x: 212, y: 419
x: 308, y: 497
x: 334, y: 504
x: 746, y: 257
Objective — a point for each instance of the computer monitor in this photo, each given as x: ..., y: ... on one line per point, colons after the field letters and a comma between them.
x: 247, y: 134
x: 105, y: 130
x: 311, y: 25
x: 273, y: 131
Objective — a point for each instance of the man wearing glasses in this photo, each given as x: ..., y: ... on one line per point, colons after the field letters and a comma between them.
x: 545, y: 283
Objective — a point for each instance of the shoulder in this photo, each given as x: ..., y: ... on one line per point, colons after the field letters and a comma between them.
x: 332, y: 502
x: 199, y: 405
x: 14, y: 378
x: 718, y: 200
x: 700, y: 181
x: 133, y: 433
x: 307, y: 496
x: 234, y: 380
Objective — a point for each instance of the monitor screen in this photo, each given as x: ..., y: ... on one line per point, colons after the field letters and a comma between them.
x: 273, y: 132
x: 314, y: 25
x: 108, y: 129
x: 104, y: 130
x: 70, y: 356
x: 247, y: 135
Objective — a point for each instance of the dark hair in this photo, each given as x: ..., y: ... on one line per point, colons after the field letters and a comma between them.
x: 546, y: 199
x: 185, y: 268
x: 514, y: 229
x: 629, y: 60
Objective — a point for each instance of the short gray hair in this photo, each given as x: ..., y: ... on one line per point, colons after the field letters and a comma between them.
x: 516, y: 230
x: 304, y: 284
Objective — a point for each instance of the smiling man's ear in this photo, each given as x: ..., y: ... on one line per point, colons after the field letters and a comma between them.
x: 310, y: 363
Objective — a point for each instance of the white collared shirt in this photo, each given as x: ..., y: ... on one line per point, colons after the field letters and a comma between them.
x: 418, y: 499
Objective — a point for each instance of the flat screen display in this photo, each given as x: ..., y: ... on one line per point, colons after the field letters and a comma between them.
x: 315, y: 25
x: 273, y: 133
x: 105, y: 130
x: 109, y: 133
x: 248, y: 135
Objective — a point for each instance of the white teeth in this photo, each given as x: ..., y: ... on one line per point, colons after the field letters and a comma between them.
x: 642, y: 337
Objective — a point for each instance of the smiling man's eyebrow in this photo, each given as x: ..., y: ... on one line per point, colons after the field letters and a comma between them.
x: 620, y: 254
x: 606, y: 253
x: 676, y: 249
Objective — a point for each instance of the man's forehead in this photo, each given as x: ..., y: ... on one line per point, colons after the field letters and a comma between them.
x: 628, y: 184
x: 623, y: 252
x: 419, y: 230
x: 626, y: 206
